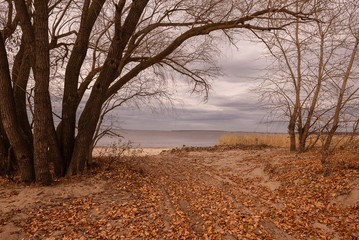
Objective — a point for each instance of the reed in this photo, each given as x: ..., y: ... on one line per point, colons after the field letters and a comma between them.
x: 274, y: 140
x: 282, y: 140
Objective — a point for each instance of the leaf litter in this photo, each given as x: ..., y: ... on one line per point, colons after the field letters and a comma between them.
x: 214, y: 193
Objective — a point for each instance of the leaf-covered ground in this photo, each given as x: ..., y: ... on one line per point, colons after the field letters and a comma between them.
x: 214, y: 193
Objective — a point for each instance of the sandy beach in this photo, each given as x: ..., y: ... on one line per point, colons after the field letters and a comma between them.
x: 110, y: 151
x: 167, y: 139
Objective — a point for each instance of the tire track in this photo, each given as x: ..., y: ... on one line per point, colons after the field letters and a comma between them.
x: 188, y: 180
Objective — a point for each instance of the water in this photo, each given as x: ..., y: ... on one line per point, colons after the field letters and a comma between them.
x: 154, y: 139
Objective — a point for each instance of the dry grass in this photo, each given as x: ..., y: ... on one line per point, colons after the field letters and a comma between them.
x: 281, y: 140
x: 275, y: 140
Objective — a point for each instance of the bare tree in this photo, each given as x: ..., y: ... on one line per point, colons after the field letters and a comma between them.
x: 312, y: 84
x: 137, y: 94
x: 100, y: 47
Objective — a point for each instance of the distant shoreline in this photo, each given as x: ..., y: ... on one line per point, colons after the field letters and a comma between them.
x: 169, y: 138
x: 184, y: 130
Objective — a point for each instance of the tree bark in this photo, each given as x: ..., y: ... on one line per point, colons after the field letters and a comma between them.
x: 339, y: 107
x: 71, y: 98
x: 307, y: 125
x: 20, y: 77
x: 291, y: 132
x: 298, y: 84
x: 11, y: 125
x: 4, y: 146
x: 302, y: 145
x: 91, y: 113
x: 45, y: 140
x: 86, y: 129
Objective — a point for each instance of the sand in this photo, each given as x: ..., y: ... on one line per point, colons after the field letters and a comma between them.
x: 184, y: 186
x: 108, y: 151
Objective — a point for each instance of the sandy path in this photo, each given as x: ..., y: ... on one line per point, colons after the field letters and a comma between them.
x: 198, y: 174
x: 220, y: 194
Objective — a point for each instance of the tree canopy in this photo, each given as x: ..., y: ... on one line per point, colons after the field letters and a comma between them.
x: 94, y: 49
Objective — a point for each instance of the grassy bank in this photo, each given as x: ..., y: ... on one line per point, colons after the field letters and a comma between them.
x: 275, y: 140
x: 282, y: 140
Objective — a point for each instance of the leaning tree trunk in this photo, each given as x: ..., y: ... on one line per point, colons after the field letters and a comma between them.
x: 71, y: 98
x: 305, y: 129
x: 339, y: 107
x: 20, y: 77
x: 86, y: 129
x: 10, y: 123
x: 91, y: 113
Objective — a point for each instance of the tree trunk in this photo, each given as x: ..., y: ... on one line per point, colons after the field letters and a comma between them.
x: 291, y: 132
x: 10, y: 123
x: 71, y: 98
x: 339, y: 107
x: 4, y: 146
x: 297, y: 113
x: 305, y: 129
x: 45, y: 140
x: 20, y: 77
x: 86, y: 130
x: 91, y: 113
x: 302, y: 142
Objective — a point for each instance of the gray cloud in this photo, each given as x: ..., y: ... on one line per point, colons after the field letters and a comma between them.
x: 230, y: 116
x: 243, y: 70
x: 231, y: 105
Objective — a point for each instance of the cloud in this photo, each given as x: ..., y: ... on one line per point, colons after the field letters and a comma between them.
x: 219, y: 113
x: 231, y: 106
x: 244, y: 63
x: 243, y: 71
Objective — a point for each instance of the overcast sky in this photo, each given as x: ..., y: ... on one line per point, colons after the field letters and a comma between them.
x: 231, y: 106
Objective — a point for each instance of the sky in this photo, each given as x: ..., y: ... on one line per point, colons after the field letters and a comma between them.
x: 232, y: 105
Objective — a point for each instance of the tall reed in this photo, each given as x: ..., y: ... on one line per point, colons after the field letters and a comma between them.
x: 275, y: 140
x: 282, y: 140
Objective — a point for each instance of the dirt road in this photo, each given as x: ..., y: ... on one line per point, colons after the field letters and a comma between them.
x: 185, y: 194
